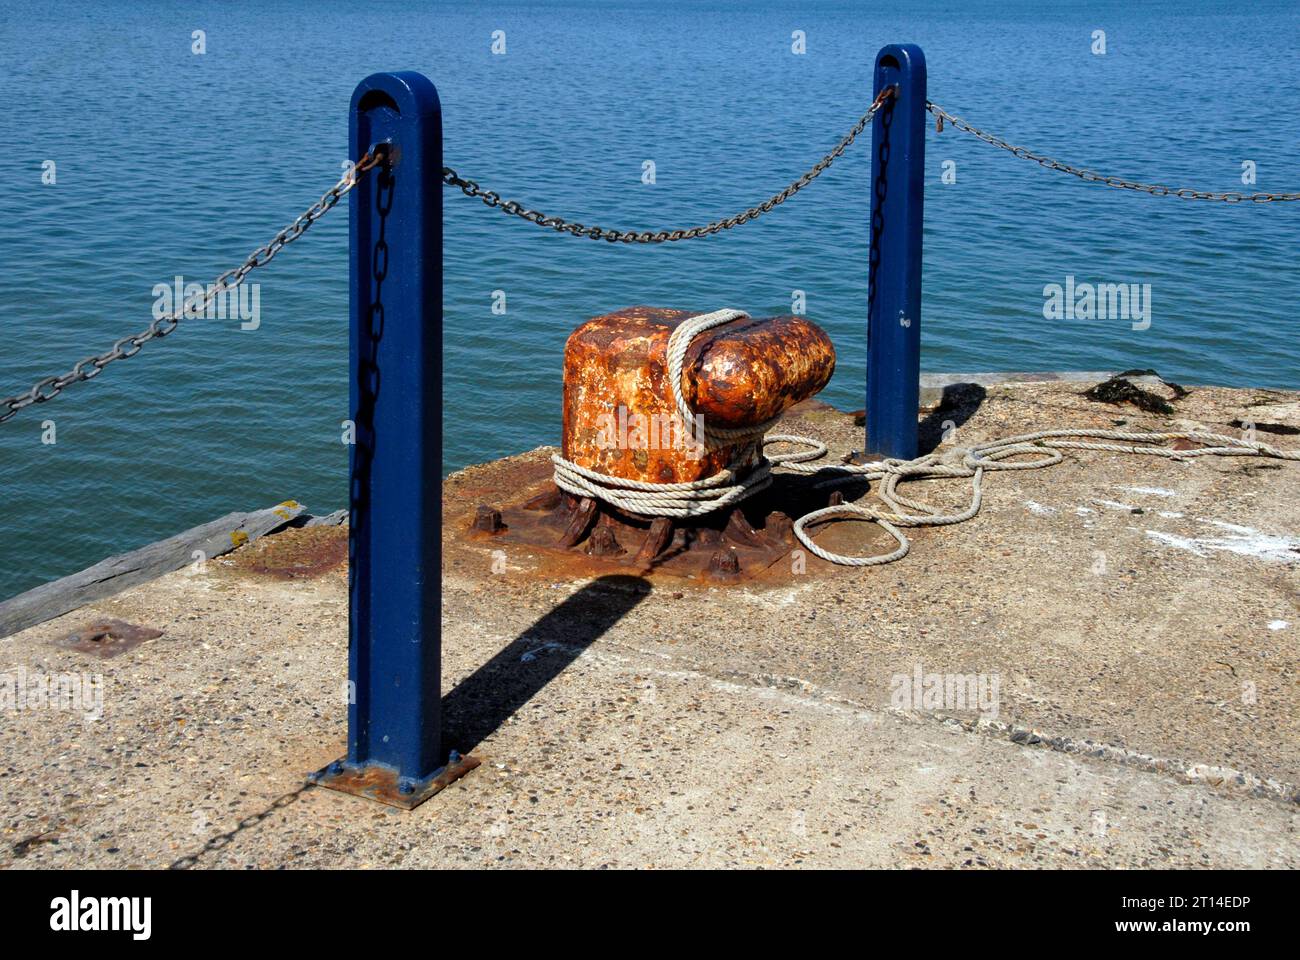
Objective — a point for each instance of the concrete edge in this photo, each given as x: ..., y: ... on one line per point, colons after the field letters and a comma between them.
x: 115, y: 574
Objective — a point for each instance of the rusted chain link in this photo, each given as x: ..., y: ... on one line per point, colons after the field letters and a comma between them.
x: 493, y: 199
x: 127, y: 347
x: 942, y: 116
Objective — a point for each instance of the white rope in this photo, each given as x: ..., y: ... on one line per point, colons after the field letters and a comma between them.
x: 751, y: 468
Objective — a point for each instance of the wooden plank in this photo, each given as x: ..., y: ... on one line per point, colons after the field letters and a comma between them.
x: 335, y: 519
x: 115, y: 574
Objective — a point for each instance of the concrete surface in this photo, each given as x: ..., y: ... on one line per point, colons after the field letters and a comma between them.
x: 1146, y: 669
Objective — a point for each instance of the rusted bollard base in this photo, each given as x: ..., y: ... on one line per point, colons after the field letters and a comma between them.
x: 380, y: 783
x: 579, y: 536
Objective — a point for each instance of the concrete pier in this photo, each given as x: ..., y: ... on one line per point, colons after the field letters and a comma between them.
x: 1128, y: 629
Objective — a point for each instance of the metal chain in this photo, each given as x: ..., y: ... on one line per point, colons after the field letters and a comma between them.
x: 126, y: 347
x: 493, y: 199
x: 942, y: 116
x: 129, y: 346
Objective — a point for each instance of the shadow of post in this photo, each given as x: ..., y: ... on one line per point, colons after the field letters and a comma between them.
x: 959, y: 403
x: 485, y: 700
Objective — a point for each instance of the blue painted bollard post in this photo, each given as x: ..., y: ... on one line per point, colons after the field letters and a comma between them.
x: 395, y: 750
x: 894, y: 297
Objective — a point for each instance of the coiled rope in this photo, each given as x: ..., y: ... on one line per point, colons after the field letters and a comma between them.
x: 750, y: 469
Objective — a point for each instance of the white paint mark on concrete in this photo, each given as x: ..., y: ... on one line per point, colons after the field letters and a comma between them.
x: 1182, y: 543
x: 1277, y: 548
x: 1038, y: 508
x: 1153, y: 491
x: 1234, y: 527
x: 1083, y: 511
x: 1170, y: 515
x: 1278, y: 624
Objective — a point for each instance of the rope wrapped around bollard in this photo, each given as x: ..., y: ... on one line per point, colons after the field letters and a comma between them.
x: 751, y: 469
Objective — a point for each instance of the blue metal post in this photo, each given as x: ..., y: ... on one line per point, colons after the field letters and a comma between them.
x: 894, y: 297
x: 395, y: 751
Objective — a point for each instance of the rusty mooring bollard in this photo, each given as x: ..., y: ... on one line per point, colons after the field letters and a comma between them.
x: 620, y: 420
x: 619, y: 417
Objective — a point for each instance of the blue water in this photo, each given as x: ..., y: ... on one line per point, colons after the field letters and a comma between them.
x: 172, y: 163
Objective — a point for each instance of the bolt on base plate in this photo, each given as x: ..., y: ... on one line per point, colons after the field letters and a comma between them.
x: 384, y: 785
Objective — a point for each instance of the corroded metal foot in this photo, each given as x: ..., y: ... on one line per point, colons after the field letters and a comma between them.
x: 379, y: 783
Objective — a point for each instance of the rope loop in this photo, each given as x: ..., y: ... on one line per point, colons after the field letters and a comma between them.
x: 816, y: 453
